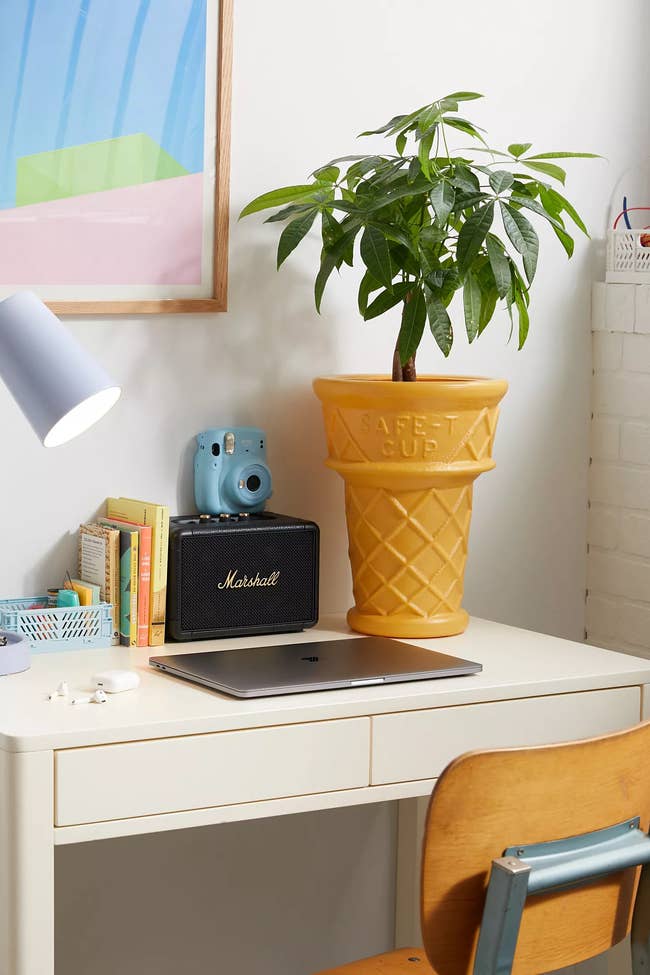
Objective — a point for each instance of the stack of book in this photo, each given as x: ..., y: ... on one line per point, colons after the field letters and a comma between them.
x: 125, y: 555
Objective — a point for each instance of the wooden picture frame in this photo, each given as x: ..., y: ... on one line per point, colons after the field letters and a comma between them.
x: 216, y: 299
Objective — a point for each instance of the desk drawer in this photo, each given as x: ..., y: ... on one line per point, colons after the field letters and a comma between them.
x: 419, y: 744
x: 171, y: 774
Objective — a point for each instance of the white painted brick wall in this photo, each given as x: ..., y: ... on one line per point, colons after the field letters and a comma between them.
x: 618, y: 562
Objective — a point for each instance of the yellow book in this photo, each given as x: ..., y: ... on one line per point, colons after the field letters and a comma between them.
x: 84, y: 592
x: 157, y: 516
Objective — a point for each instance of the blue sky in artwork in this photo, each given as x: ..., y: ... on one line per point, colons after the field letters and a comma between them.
x: 77, y: 71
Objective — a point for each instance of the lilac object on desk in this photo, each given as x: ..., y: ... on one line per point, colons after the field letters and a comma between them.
x: 15, y: 656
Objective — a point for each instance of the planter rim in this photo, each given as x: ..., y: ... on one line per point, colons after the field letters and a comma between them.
x: 375, y: 379
x: 433, y: 388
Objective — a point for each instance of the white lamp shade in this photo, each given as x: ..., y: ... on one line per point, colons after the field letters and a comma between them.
x: 58, y: 386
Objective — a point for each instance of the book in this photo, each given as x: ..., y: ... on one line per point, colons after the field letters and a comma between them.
x: 87, y: 592
x: 99, y: 563
x: 95, y: 590
x: 157, y: 517
x: 144, y: 577
x: 128, y: 581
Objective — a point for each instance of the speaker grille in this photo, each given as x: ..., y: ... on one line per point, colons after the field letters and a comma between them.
x: 207, y: 560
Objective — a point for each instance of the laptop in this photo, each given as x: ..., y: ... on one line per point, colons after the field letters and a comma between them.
x: 294, y: 668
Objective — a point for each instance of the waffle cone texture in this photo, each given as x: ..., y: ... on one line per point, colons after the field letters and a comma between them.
x: 409, y: 454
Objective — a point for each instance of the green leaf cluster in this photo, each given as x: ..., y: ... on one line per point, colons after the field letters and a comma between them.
x: 426, y: 222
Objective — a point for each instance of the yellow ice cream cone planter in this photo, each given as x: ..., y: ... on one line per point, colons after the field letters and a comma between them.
x: 409, y: 454
x: 425, y: 222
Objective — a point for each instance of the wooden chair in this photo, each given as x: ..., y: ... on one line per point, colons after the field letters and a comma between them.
x: 486, y: 803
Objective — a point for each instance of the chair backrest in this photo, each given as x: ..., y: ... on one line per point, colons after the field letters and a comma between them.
x: 486, y: 802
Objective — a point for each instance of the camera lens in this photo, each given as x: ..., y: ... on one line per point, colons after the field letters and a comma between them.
x: 253, y: 483
x: 216, y: 449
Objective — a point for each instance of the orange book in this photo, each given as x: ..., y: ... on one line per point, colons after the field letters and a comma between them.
x: 144, y: 578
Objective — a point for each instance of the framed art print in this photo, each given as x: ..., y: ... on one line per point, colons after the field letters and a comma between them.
x: 114, y: 153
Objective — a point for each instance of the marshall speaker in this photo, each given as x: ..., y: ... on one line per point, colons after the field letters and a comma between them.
x: 231, y: 575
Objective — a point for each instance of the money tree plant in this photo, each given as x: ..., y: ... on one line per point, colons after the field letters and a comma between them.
x: 431, y: 221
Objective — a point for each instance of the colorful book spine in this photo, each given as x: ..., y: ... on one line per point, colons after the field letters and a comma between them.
x: 128, y: 582
x: 99, y: 563
x: 144, y: 578
x: 157, y: 517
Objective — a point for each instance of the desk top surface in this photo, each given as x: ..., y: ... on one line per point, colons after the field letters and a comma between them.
x: 516, y: 664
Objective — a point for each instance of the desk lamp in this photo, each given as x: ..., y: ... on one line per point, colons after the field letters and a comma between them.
x: 60, y: 389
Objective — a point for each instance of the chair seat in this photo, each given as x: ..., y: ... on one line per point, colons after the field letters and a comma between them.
x: 406, y: 961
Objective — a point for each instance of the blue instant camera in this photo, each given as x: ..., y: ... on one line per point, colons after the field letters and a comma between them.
x: 230, y: 471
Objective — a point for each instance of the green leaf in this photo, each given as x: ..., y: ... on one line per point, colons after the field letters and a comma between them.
x: 414, y: 169
x: 565, y: 155
x: 501, y: 180
x: 549, y: 169
x: 276, y: 198
x: 331, y: 229
x: 464, y: 179
x: 366, y: 165
x: 439, y: 322
x: 463, y: 125
x: 387, y: 299
x: 396, y: 124
x: 429, y: 117
x: 565, y: 239
x: 471, y: 306
x: 352, y: 158
x: 464, y: 96
x: 489, y: 297
x: 423, y: 152
x: 327, y: 174
x: 464, y: 201
x: 442, y: 198
x: 535, y: 207
x: 499, y: 264
x: 400, y: 143
x: 517, y: 149
x: 293, y: 233
x: 563, y: 204
x: 523, y: 236
x: 448, y: 104
x: 413, y: 319
x: 524, y: 320
x: 385, y: 199
x: 330, y: 259
x: 396, y: 120
x: 348, y: 206
x: 472, y: 235
x: 376, y: 256
x: 367, y: 286
x: 290, y: 211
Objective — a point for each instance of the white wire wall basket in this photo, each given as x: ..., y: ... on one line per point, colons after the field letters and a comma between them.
x: 628, y: 256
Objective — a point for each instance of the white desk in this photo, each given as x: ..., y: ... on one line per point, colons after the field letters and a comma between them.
x: 173, y: 755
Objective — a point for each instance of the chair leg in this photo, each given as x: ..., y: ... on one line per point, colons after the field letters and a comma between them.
x: 641, y: 926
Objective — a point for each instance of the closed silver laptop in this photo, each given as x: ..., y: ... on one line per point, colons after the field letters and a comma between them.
x: 294, y: 668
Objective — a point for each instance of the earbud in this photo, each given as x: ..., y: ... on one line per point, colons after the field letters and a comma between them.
x: 61, y: 691
x: 99, y: 697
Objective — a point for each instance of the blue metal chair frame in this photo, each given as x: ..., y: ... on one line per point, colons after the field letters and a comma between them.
x: 536, y: 869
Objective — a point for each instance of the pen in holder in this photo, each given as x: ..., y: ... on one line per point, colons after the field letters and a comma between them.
x: 14, y: 653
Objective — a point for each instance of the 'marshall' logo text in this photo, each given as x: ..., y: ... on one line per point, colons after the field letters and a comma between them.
x: 235, y: 581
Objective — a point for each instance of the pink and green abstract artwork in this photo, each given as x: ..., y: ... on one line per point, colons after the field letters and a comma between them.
x: 102, y: 134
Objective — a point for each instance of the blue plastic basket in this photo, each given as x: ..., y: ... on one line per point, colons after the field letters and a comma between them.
x: 69, y: 628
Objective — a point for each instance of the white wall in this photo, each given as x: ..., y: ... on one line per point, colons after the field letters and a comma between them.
x: 307, y: 77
